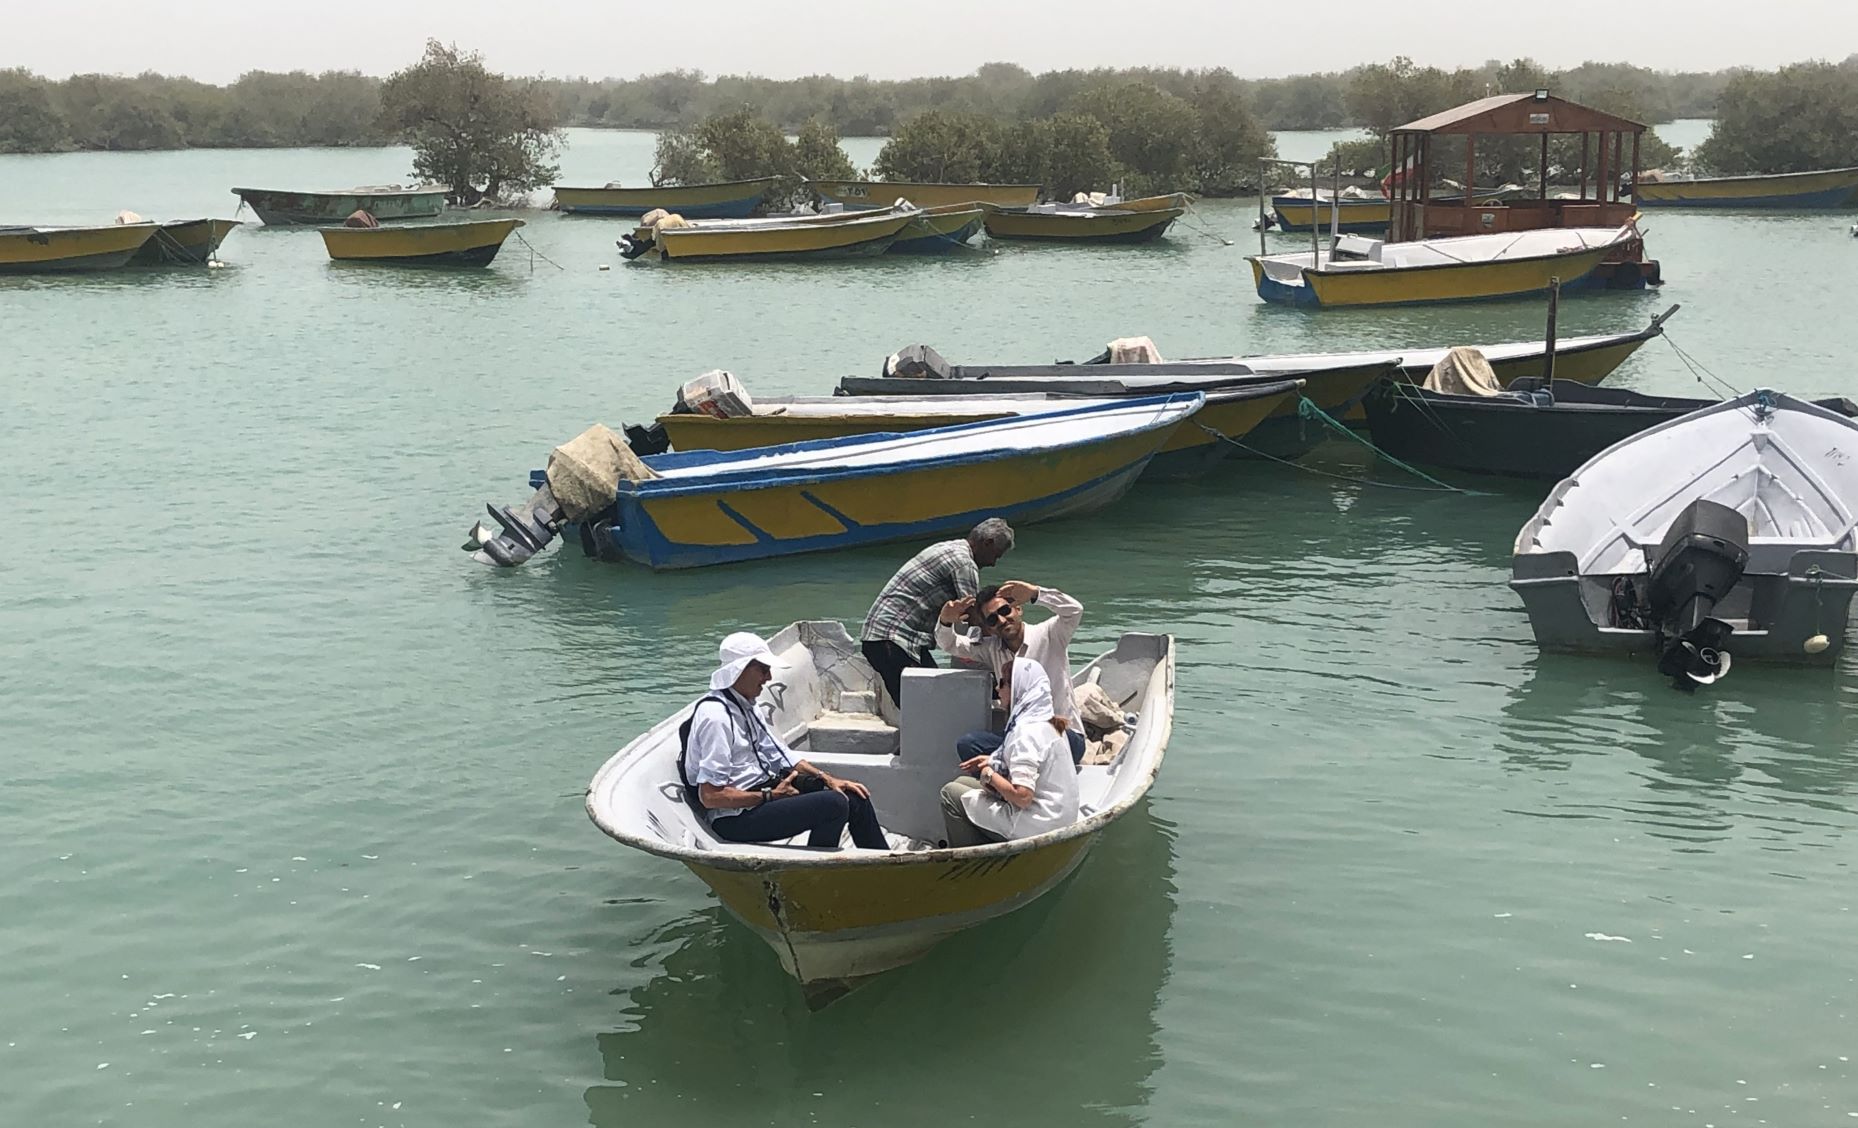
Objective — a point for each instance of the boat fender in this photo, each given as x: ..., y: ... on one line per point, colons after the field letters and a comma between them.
x: 1817, y: 644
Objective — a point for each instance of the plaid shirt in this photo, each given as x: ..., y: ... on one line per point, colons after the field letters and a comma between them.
x: 907, y: 609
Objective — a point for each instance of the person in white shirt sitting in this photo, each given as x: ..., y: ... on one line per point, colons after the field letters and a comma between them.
x: 749, y: 785
x: 1026, y: 787
x: 1000, y: 613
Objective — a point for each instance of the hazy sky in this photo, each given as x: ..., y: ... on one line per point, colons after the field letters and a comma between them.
x: 216, y: 40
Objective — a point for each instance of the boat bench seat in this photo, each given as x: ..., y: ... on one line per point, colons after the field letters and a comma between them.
x: 837, y: 734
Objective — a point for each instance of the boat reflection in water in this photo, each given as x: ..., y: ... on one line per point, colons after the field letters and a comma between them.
x: 1075, y: 979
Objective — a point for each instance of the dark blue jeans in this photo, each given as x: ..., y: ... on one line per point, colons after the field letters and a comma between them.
x: 985, y: 743
x: 825, y: 813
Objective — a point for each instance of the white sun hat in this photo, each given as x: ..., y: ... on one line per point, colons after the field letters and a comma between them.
x: 736, y: 652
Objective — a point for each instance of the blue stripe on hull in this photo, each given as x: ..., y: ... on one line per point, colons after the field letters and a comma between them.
x: 728, y: 209
x: 639, y: 540
x: 1829, y: 198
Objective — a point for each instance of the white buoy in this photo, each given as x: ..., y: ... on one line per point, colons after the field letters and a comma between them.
x: 604, y: 266
x: 1817, y: 644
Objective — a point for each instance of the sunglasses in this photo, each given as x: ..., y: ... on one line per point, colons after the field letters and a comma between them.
x: 1000, y: 614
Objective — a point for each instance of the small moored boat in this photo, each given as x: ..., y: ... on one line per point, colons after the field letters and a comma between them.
x: 883, y: 193
x: 46, y: 250
x: 386, y: 203
x: 836, y: 917
x: 1359, y: 271
x: 1366, y: 213
x: 721, y: 200
x: 1825, y: 188
x: 1529, y: 431
x: 1188, y: 453
x: 1733, y: 529
x: 688, y: 510
x: 1118, y: 221
x: 938, y: 230
x: 184, y: 242
x: 471, y: 242
x: 841, y: 235
x: 920, y: 371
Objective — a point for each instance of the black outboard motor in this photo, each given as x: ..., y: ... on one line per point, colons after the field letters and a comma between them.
x: 1701, y: 558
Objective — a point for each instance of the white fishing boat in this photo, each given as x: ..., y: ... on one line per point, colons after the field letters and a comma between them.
x: 837, y: 916
x: 1359, y: 271
x: 1733, y: 529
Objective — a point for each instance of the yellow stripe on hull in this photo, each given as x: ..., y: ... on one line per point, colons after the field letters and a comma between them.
x: 417, y: 241
x: 809, y: 238
x: 671, y: 198
x: 1083, y: 226
x: 1233, y: 419
x: 1469, y: 282
x: 1589, y: 366
x: 31, y: 249
x: 1376, y: 212
x: 793, y: 512
x: 883, y: 193
x: 1830, y: 188
x: 842, y: 924
x: 690, y: 431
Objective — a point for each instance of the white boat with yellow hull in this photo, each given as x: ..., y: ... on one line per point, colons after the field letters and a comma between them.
x: 837, y: 916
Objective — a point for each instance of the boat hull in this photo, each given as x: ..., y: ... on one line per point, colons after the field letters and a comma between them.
x: 1504, y: 436
x: 1422, y: 285
x: 807, y: 240
x: 56, y: 250
x: 727, y: 526
x: 1081, y: 227
x: 189, y: 242
x: 288, y: 209
x: 471, y: 243
x: 937, y: 232
x: 1831, y: 188
x: 735, y: 199
x: 883, y: 193
x: 832, y: 929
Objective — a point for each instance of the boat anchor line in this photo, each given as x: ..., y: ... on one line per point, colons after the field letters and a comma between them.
x: 535, y: 254
x: 1308, y: 410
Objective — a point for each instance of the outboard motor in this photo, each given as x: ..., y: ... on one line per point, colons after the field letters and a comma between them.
x: 1700, y: 559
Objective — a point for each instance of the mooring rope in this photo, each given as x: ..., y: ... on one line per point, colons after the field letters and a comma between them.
x: 1308, y: 410
x: 535, y: 254
x: 1200, y: 225
x: 1702, y: 374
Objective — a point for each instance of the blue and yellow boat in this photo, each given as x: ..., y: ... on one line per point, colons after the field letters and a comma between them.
x: 729, y: 199
x: 45, y: 250
x: 1369, y: 272
x: 939, y: 230
x: 1825, y: 188
x: 923, y: 194
x: 473, y: 242
x: 692, y: 509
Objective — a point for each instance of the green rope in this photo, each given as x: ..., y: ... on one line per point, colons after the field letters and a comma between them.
x: 1306, y: 409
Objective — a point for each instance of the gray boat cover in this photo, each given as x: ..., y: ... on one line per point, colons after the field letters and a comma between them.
x: 585, y: 471
x: 1463, y: 372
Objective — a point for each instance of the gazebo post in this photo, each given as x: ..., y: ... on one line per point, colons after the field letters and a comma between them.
x: 1635, y: 166
x: 1470, y: 166
x: 1586, y: 143
x: 1542, y: 168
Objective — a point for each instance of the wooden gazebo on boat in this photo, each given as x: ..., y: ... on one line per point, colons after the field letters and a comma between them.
x: 1609, y: 159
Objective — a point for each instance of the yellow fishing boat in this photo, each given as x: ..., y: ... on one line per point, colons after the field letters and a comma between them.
x: 924, y: 194
x: 785, y: 237
x: 473, y: 242
x: 186, y: 241
x: 1365, y: 272
x: 723, y: 200
x: 837, y: 916
x: 1825, y: 188
x: 1148, y: 220
x: 1190, y: 451
x: 39, y: 250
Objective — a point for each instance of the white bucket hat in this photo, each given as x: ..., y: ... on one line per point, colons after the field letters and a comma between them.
x: 736, y: 652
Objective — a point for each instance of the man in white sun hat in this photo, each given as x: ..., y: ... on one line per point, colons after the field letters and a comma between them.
x: 749, y: 785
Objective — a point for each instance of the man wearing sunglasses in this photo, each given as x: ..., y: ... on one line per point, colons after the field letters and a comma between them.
x: 1000, y: 613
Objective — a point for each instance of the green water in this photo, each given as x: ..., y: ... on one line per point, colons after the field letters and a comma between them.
x: 291, y: 814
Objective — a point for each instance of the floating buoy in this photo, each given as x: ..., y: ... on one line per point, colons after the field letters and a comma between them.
x: 605, y: 266
x: 214, y: 264
x: 1817, y: 644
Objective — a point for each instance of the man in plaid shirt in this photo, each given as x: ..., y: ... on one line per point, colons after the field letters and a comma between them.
x: 900, y: 628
